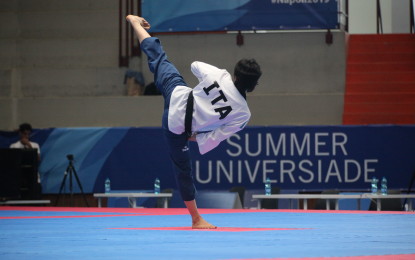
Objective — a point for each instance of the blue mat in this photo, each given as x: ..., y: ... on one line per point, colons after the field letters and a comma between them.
x: 97, y: 234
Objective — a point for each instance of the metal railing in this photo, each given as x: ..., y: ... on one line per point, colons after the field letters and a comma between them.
x: 379, y: 22
x: 412, y: 16
x: 128, y: 45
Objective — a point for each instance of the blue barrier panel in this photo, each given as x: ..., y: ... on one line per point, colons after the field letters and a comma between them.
x: 219, y: 15
x: 300, y: 157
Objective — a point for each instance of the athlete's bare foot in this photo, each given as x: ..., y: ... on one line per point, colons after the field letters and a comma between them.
x: 133, y: 18
x: 200, y: 223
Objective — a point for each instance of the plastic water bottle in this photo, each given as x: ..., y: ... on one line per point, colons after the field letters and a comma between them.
x: 157, y: 186
x: 107, y: 185
x: 384, y: 186
x: 268, y: 187
x: 374, y: 185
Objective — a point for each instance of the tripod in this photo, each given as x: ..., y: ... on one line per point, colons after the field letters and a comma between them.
x: 70, y: 170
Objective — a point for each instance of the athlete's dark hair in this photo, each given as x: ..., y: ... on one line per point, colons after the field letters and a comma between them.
x: 247, y: 73
x: 25, y: 127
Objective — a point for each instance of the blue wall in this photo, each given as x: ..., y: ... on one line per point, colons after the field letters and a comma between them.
x: 301, y: 157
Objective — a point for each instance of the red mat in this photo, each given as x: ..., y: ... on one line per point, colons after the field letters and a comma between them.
x: 372, y: 257
x: 219, y: 229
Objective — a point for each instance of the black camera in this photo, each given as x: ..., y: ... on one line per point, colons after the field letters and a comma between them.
x: 70, y: 157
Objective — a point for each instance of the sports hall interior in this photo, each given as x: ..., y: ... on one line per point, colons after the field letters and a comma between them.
x: 64, y: 68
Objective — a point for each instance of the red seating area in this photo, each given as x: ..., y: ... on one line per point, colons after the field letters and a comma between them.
x: 380, y: 80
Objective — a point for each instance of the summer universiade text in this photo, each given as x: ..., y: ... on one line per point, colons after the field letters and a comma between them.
x: 320, y: 157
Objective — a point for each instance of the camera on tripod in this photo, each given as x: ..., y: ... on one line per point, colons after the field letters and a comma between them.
x: 70, y: 170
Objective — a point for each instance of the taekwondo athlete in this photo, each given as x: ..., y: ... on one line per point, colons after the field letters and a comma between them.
x: 209, y: 113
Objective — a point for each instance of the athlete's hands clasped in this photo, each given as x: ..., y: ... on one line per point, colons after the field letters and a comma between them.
x: 133, y: 18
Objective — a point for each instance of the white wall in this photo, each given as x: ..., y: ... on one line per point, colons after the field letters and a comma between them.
x: 400, y: 16
x: 395, y: 16
x: 303, y: 83
x: 59, y: 66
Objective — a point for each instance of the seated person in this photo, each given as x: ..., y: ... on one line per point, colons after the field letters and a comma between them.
x: 25, y: 131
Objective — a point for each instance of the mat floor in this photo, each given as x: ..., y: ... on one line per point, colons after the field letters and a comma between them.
x: 108, y: 233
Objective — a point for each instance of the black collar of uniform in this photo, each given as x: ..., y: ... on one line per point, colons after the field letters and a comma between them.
x: 243, y: 93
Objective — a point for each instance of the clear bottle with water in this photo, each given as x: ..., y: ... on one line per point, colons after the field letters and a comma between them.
x: 107, y: 185
x: 374, y: 185
x: 157, y: 186
x: 384, y: 186
x: 268, y: 187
